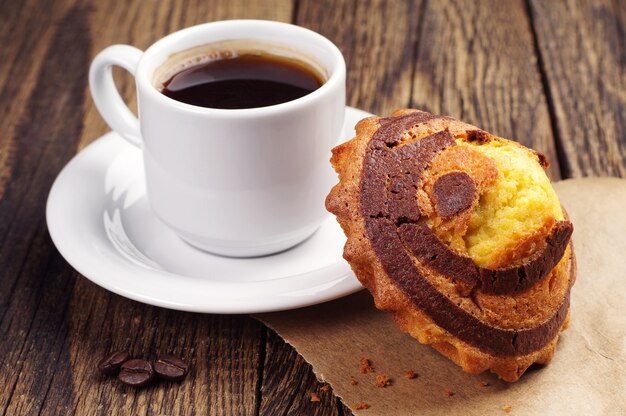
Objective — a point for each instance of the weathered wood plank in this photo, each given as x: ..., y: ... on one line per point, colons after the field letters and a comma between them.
x: 583, y: 50
x: 25, y: 33
x: 288, y: 382
x: 35, y: 284
x: 377, y: 39
x: 223, y: 352
x: 477, y: 62
x: 53, y: 325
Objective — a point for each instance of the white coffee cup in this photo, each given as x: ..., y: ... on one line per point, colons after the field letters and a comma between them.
x: 238, y: 183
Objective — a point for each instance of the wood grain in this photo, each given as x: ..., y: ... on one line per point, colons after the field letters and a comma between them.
x: 223, y: 352
x: 583, y: 54
x: 477, y: 62
x: 54, y: 324
x: 378, y: 40
x: 36, y: 282
x: 288, y: 383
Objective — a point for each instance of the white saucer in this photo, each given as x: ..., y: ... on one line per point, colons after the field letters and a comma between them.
x: 99, y: 219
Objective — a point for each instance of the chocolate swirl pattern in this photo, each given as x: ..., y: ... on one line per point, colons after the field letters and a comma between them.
x: 420, y: 278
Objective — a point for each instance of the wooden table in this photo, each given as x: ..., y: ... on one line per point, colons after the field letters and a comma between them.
x: 551, y: 74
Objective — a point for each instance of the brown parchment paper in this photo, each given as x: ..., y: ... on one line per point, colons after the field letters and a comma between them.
x: 586, y: 377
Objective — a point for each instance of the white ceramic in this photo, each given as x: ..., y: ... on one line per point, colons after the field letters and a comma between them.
x: 234, y: 182
x: 99, y: 219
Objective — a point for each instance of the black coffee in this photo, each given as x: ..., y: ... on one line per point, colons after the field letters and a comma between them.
x: 244, y: 81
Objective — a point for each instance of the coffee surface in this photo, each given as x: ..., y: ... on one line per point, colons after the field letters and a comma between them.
x: 243, y: 81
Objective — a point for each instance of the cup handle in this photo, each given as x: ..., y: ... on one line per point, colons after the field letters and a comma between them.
x: 104, y: 92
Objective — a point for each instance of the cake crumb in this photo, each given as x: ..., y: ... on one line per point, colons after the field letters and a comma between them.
x: 366, y: 366
x: 449, y: 393
x: 382, y: 380
x: 353, y: 381
x: 507, y: 408
x: 314, y: 397
x: 361, y: 406
x: 410, y: 374
x: 484, y: 383
x: 325, y: 388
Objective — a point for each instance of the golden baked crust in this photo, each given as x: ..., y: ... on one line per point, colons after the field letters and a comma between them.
x: 531, y: 215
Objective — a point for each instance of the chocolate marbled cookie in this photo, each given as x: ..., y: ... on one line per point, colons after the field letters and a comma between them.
x: 460, y: 235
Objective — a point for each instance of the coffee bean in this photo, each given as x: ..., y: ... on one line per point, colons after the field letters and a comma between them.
x: 170, y: 368
x: 136, y: 373
x: 111, y: 364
